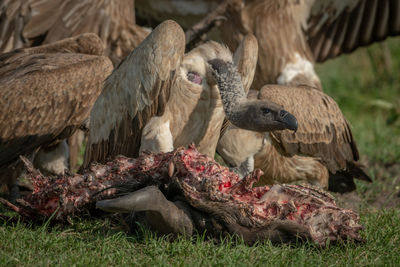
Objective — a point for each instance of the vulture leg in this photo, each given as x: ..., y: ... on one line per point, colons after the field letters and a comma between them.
x: 244, y: 168
x: 163, y: 215
x: 157, y: 136
x: 75, y: 143
x: 53, y: 159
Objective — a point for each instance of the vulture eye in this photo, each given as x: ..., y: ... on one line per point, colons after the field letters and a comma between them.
x: 194, y: 77
x: 265, y: 110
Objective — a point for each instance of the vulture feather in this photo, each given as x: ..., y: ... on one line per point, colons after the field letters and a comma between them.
x: 292, y: 34
x: 47, y: 92
x: 295, y: 34
x: 26, y: 23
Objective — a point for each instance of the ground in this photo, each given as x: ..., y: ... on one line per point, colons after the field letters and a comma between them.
x: 366, y: 86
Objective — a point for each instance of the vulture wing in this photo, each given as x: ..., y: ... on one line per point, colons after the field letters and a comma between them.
x: 30, y: 22
x: 137, y: 90
x: 87, y: 43
x: 45, y: 97
x: 339, y: 26
x: 323, y: 131
x: 245, y: 59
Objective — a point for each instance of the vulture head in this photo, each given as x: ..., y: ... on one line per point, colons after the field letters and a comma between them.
x: 255, y: 115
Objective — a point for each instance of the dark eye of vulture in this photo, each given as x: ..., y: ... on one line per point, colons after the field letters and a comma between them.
x: 265, y: 110
x: 194, y: 77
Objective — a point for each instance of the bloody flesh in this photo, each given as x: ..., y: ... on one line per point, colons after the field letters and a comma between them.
x: 204, y: 184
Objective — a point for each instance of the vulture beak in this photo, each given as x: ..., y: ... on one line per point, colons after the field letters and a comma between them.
x: 288, y: 119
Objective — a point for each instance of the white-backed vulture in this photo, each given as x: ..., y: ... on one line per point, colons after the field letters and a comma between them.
x: 158, y: 99
x: 293, y: 34
x: 46, y: 93
x: 25, y: 23
x: 321, y: 152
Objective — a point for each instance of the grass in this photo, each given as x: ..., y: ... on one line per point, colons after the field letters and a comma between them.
x: 97, y: 243
x: 369, y: 96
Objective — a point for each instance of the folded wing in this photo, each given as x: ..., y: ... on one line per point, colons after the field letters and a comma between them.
x: 44, y: 97
x: 323, y: 132
x: 137, y: 90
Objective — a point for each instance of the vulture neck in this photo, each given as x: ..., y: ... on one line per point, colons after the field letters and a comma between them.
x: 232, y: 93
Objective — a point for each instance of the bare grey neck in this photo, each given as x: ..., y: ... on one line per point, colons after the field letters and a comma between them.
x: 230, y: 87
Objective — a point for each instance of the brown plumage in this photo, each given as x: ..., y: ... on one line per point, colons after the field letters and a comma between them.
x: 46, y: 94
x: 159, y: 99
x: 292, y: 35
x: 24, y: 23
x: 322, y: 146
x: 291, y: 31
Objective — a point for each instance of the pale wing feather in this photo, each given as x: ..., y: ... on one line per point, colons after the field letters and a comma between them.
x: 44, y: 97
x: 323, y: 131
x: 245, y: 59
x: 137, y: 90
x: 339, y: 26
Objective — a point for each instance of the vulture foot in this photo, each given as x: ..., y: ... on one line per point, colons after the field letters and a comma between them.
x: 245, y: 168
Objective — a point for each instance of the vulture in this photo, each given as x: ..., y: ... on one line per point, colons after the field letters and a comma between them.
x: 25, y: 23
x: 321, y: 152
x: 294, y: 34
x: 47, y: 93
x: 159, y: 98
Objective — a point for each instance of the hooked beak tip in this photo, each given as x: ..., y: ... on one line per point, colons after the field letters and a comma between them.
x: 289, y: 120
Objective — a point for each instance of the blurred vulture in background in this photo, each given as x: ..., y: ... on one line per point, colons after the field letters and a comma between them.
x: 46, y: 93
x: 291, y: 34
x: 25, y: 23
x: 159, y: 98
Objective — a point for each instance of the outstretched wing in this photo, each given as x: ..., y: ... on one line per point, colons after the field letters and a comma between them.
x: 340, y: 26
x: 136, y: 91
x: 323, y: 132
x: 45, y: 97
x: 28, y: 22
